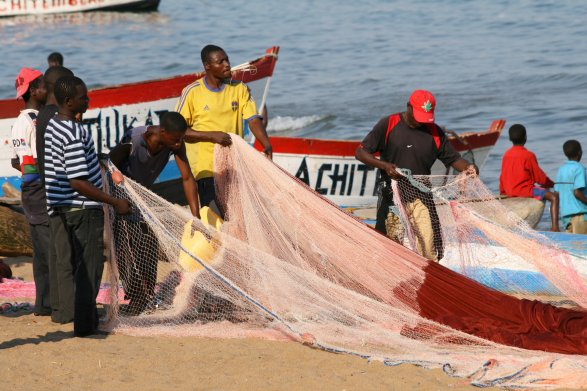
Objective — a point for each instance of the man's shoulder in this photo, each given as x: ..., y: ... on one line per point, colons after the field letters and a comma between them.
x: 518, y: 150
x: 22, y: 122
x: 28, y: 112
x: 385, y: 120
x: 511, y: 152
x: 48, y: 111
x: 235, y: 83
x: 432, y: 127
x: 68, y: 129
x: 137, y: 130
x: 382, y: 126
x: 573, y: 167
x: 192, y: 88
x: 238, y: 85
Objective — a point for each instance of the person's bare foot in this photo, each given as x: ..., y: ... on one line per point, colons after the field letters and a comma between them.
x: 555, y: 229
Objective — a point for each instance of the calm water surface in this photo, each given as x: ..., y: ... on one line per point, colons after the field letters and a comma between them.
x: 343, y: 65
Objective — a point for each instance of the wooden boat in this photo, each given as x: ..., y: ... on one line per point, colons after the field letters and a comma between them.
x: 116, y: 109
x: 37, y: 7
x: 328, y: 166
x: 530, y: 209
x: 533, y: 282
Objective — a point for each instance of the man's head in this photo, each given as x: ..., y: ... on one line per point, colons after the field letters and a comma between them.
x: 53, y: 74
x: 72, y: 93
x: 518, y: 134
x: 173, y: 128
x: 421, y: 107
x: 55, y: 59
x: 30, y: 83
x: 573, y: 150
x: 216, y: 62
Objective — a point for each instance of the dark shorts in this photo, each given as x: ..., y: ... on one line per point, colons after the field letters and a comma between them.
x: 539, y: 193
x: 207, y: 194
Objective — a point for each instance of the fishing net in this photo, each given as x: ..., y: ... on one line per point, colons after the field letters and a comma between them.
x: 458, y: 221
x: 288, y: 265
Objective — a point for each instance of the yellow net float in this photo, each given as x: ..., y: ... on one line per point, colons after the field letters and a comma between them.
x: 197, y: 244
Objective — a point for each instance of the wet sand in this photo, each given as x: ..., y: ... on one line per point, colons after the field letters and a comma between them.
x: 36, y: 354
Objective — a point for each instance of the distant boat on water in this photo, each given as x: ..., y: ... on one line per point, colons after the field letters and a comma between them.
x: 327, y: 166
x: 40, y: 7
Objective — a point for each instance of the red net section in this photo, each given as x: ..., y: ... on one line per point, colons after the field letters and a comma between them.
x: 287, y: 264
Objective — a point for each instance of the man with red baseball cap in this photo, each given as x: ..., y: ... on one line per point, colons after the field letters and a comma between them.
x: 423, y: 104
x: 411, y: 140
x: 30, y: 86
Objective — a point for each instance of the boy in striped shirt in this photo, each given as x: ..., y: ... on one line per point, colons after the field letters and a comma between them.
x: 30, y: 86
x: 73, y: 185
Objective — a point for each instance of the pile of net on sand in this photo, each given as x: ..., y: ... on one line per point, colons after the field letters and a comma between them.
x: 287, y: 264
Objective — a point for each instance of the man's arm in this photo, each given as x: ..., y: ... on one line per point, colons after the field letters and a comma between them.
x: 462, y: 165
x: 578, y: 193
x: 87, y: 188
x: 190, y: 187
x: 194, y: 136
x: 119, y: 153
x: 372, y: 161
x: 373, y: 142
x: 16, y: 167
x: 537, y: 175
x: 260, y: 133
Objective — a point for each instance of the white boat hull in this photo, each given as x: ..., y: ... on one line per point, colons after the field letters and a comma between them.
x: 43, y: 7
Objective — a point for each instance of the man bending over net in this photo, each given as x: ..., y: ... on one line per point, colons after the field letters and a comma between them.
x: 411, y: 140
x: 142, y: 155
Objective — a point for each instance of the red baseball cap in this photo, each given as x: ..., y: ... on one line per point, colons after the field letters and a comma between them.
x: 424, y: 104
x: 24, y: 79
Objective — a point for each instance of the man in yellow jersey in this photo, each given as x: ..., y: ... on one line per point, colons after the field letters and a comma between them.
x: 213, y: 107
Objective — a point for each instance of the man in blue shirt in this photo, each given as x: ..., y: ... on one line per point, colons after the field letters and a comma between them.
x: 571, y: 183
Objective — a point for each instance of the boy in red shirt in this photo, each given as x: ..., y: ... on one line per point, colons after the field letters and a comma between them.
x: 520, y: 173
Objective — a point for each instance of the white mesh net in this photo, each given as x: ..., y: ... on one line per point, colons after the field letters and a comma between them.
x: 288, y: 265
x: 458, y: 219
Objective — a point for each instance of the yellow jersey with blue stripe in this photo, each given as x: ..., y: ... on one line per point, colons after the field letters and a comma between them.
x: 209, y: 109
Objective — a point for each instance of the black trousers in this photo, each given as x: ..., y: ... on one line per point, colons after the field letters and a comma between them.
x: 61, y: 271
x: 207, y: 195
x: 86, y: 232
x: 137, y: 256
x: 41, y: 236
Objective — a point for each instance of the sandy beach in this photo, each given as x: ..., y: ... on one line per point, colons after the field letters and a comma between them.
x: 37, y: 354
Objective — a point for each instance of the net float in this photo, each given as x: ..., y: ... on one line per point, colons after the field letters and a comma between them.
x: 117, y: 177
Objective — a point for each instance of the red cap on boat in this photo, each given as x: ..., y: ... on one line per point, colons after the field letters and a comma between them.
x: 24, y: 79
x: 424, y: 104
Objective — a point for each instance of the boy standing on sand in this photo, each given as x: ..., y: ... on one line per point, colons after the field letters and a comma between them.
x: 571, y: 183
x: 31, y: 87
x: 73, y: 182
x: 520, y: 173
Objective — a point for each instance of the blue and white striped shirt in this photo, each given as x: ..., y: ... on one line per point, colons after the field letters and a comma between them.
x: 69, y: 154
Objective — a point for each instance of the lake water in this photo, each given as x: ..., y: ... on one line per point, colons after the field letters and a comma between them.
x: 343, y: 65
